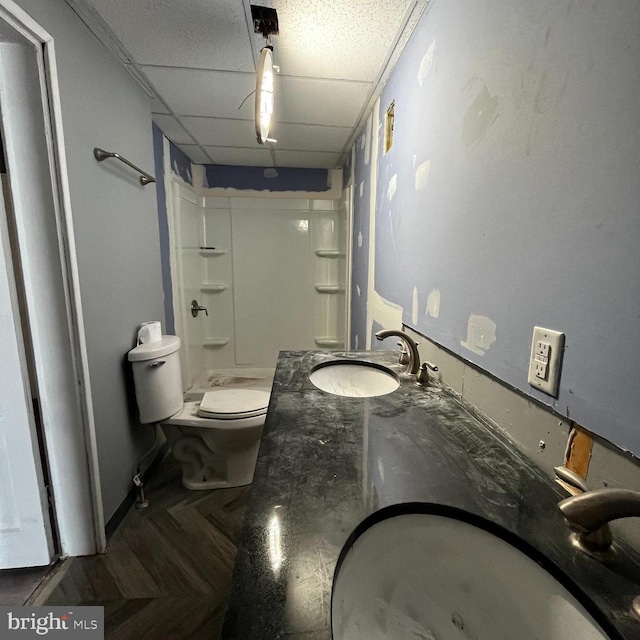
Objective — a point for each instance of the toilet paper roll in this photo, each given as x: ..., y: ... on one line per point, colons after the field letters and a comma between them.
x: 150, y: 332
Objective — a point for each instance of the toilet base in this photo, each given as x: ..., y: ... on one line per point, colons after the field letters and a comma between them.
x: 203, y: 469
x: 216, y: 458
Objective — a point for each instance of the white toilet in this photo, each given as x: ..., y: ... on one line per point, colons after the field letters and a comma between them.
x: 216, y: 439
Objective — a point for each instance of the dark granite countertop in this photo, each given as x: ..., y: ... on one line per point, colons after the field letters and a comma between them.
x: 326, y: 462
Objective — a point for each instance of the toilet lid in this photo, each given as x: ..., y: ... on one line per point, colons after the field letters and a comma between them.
x: 234, y: 403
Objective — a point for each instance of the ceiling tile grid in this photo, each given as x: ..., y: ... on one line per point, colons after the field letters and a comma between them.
x: 198, y: 58
x: 293, y: 137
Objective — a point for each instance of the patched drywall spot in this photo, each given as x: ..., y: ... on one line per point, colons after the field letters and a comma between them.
x: 433, y: 303
x: 414, y: 307
x: 479, y: 117
x: 183, y: 171
x: 362, y: 188
x: 426, y: 63
x: 481, y: 334
x: 359, y: 239
x: 422, y: 174
x: 383, y: 311
x: 393, y: 186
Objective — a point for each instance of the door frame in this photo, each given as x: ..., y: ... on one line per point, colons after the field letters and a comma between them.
x: 58, y: 333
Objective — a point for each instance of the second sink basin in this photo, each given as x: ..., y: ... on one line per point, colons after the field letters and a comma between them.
x: 441, y: 576
x: 354, y: 379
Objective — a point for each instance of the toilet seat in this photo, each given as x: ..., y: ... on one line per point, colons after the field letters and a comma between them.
x: 233, y: 404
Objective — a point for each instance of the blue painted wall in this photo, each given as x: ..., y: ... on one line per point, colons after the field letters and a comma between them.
x: 516, y: 195
x: 269, y: 179
x: 360, y: 244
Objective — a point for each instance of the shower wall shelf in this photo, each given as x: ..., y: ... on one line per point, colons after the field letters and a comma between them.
x: 329, y: 288
x: 215, y: 342
x: 330, y: 253
x: 213, y: 288
x: 211, y: 252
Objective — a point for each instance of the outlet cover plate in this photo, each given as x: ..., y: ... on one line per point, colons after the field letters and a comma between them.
x: 545, y: 360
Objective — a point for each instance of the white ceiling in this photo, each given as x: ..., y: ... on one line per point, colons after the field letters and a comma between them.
x: 197, y: 60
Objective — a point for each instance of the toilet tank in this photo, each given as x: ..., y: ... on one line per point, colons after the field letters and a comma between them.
x: 157, y: 378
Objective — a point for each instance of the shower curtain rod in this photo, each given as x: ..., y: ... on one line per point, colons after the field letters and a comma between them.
x: 101, y: 154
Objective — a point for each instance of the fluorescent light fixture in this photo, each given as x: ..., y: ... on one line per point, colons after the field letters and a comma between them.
x: 264, y: 94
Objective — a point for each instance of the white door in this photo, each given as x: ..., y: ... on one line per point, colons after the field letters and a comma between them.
x: 39, y: 216
x: 25, y: 527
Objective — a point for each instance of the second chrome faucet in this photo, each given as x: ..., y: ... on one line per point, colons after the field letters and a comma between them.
x: 588, y: 514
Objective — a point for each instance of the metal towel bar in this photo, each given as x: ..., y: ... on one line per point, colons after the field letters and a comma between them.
x: 101, y: 154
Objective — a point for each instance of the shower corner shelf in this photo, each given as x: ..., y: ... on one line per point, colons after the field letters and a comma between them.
x: 215, y: 342
x: 213, y: 288
x: 330, y: 253
x: 329, y: 342
x: 211, y: 252
x: 329, y: 288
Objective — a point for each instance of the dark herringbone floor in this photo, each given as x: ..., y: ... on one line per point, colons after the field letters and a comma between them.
x: 16, y: 585
x: 167, y: 571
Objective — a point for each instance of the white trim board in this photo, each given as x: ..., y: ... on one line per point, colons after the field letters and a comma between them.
x: 58, y: 329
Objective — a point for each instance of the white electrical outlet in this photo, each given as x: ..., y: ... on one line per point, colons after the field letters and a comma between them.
x: 546, y: 356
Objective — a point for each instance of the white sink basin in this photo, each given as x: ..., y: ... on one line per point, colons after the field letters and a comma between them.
x: 439, y: 578
x: 354, y: 379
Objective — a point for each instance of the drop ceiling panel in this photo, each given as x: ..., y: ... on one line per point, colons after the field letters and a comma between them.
x: 307, y: 159
x: 172, y: 129
x: 157, y: 106
x: 240, y: 157
x: 347, y: 40
x: 194, y: 153
x: 194, y: 92
x: 189, y: 33
x: 222, y: 132
x: 329, y: 102
x: 301, y: 137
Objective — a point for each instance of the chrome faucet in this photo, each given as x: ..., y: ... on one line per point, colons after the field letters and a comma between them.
x: 589, y: 513
x: 414, y: 356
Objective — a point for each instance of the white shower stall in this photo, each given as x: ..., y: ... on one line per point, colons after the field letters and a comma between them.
x: 270, y: 271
